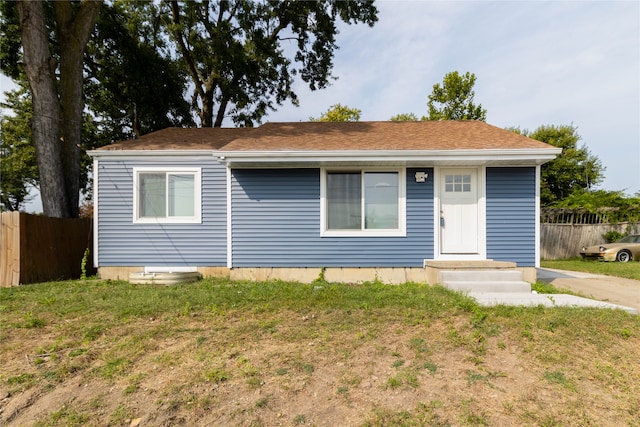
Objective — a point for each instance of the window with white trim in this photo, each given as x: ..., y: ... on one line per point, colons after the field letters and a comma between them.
x: 167, y: 195
x: 363, y: 202
x: 457, y: 183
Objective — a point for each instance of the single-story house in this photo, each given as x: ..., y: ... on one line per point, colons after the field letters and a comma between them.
x: 356, y: 200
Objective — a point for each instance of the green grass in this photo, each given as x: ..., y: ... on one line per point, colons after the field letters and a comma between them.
x: 274, y: 340
x: 104, y: 302
x: 628, y: 270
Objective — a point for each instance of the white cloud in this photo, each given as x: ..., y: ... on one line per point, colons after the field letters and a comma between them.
x: 536, y: 63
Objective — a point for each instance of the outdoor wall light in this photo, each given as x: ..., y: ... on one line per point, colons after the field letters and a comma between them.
x: 421, y: 176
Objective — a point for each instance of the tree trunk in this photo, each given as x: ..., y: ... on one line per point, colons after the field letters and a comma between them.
x: 207, y: 110
x: 221, y: 110
x: 57, y: 110
x: 45, y: 124
x: 73, y: 34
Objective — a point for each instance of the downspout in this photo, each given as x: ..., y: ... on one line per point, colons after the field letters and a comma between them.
x: 96, y: 195
x: 229, y: 218
x: 537, y: 218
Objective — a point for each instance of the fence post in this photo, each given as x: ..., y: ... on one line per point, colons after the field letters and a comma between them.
x: 10, y: 249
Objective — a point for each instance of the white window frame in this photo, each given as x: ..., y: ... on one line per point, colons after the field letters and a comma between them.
x: 401, y: 231
x: 197, y: 211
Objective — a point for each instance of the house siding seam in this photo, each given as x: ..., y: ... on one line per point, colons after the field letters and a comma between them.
x: 511, y: 218
x: 276, y: 223
x: 123, y: 243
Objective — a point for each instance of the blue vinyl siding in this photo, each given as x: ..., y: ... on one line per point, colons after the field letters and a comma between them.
x: 511, y: 215
x: 123, y: 243
x: 276, y: 223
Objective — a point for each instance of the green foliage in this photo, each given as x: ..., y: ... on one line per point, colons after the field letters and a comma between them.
x: 10, y: 54
x: 614, y: 205
x: 83, y: 264
x: 132, y: 88
x: 235, y: 53
x: 18, y: 167
x: 217, y: 375
x: 145, y: 56
x: 405, y: 117
x: 321, y: 279
x: 612, y: 236
x: 338, y: 113
x: 121, y: 72
x: 574, y: 170
x: 592, y: 200
x: 454, y: 100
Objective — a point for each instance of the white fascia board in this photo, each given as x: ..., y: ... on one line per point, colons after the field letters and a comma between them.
x: 534, y: 156
x: 138, y: 154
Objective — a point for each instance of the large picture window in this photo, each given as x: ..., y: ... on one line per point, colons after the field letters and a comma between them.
x: 167, y: 195
x: 363, y: 202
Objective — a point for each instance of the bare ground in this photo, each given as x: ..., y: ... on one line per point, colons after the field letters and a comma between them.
x: 324, y: 368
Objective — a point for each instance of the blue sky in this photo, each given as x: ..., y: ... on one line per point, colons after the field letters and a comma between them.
x: 536, y: 63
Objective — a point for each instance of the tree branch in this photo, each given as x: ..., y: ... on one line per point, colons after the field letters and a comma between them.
x: 198, y: 80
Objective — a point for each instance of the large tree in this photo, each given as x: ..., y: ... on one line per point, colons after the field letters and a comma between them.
x: 454, y: 99
x: 575, y: 169
x: 242, y: 56
x: 52, y: 57
x: 132, y: 87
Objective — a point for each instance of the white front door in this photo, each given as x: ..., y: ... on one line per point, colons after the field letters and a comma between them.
x: 459, y: 211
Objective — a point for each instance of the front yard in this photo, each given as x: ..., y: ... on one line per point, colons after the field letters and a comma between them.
x: 221, y: 353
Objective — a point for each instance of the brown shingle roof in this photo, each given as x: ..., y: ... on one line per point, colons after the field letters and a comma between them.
x: 181, y: 139
x: 338, y: 136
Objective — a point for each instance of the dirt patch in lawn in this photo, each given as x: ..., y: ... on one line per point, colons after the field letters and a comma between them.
x: 325, y: 368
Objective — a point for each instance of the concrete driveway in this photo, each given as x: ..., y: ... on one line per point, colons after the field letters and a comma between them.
x: 615, y: 290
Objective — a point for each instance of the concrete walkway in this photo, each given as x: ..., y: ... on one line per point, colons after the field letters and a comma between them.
x: 615, y: 290
x: 603, y: 292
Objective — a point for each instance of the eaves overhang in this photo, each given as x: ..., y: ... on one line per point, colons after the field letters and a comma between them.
x: 142, y: 154
x: 319, y: 158
x: 422, y: 158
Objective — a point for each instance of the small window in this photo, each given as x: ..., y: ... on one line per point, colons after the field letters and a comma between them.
x: 457, y: 183
x: 363, y: 203
x: 167, y: 195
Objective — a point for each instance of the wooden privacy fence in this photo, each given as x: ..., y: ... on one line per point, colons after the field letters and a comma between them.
x: 559, y: 241
x: 36, y: 248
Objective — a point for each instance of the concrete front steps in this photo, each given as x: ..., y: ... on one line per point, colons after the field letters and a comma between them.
x: 484, y: 281
x: 493, y: 283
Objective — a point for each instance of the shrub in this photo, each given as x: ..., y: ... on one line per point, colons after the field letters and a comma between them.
x: 612, y: 236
